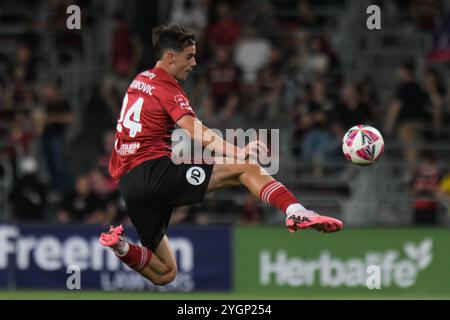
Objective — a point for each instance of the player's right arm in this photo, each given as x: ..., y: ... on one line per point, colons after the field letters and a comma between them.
x: 207, y: 138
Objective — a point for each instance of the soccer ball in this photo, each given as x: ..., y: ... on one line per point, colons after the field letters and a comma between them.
x: 363, y: 144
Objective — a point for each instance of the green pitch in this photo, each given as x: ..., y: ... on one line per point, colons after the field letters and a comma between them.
x: 101, y: 295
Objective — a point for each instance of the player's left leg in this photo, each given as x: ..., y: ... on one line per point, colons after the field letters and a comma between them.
x: 266, y: 188
x: 159, y: 266
x: 150, y: 191
x: 163, y: 268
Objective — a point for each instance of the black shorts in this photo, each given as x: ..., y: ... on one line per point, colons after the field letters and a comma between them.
x: 152, y: 189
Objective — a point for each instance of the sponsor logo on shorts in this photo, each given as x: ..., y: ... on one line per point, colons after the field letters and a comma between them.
x: 195, y: 176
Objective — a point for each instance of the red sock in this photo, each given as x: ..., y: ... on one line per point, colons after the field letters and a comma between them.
x: 137, y: 257
x: 275, y: 194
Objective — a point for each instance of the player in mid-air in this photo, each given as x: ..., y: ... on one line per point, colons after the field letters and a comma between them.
x: 152, y: 184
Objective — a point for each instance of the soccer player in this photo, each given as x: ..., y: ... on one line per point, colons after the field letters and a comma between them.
x: 152, y: 184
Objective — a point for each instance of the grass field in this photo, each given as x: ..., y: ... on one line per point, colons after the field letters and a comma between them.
x: 102, y: 295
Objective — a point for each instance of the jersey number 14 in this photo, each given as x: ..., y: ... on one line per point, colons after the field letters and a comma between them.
x: 130, y: 116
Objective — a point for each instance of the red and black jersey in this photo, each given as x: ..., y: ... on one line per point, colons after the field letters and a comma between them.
x: 153, y: 104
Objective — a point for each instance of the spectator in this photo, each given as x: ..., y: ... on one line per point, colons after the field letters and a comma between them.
x: 22, y: 73
x: 190, y: 14
x: 445, y: 185
x: 126, y: 51
x: 432, y: 84
x: 224, y: 80
x: 297, y: 78
x: 270, y: 86
x: 107, y: 147
x: 6, y: 103
x: 28, y: 196
x: 262, y: 15
x: 58, y: 117
x: 368, y: 96
x: 19, y: 140
x: 99, y: 116
x: 306, y: 16
x: 250, y: 213
x: 319, y: 56
x: 407, y: 111
x: 114, y: 211
x: 426, y: 14
x: 102, y: 185
x: 300, y: 124
x: 21, y: 132
x: 350, y: 110
x: 26, y: 60
x: 425, y: 187
x: 81, y: 204
x: 318, y: 143
x: 225, y: 30
x: 445, y: 192
x: 251, y: 53
x: 112, y: 89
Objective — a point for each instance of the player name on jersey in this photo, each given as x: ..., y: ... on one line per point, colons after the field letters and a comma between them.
x: 142, y: 86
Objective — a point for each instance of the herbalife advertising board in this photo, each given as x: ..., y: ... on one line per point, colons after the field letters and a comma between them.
x: 357, y: 263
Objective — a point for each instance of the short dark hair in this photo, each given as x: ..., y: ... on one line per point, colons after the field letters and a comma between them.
x: 171, y: 36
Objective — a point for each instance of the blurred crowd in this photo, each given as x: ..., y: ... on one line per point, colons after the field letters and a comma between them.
x: 255, y: 68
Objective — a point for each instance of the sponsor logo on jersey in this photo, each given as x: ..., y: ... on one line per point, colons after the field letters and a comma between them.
x: 182, y: 101
x: 127, y: 148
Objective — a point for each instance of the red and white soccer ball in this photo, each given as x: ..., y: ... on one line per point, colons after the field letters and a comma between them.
x: 363, y: 144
